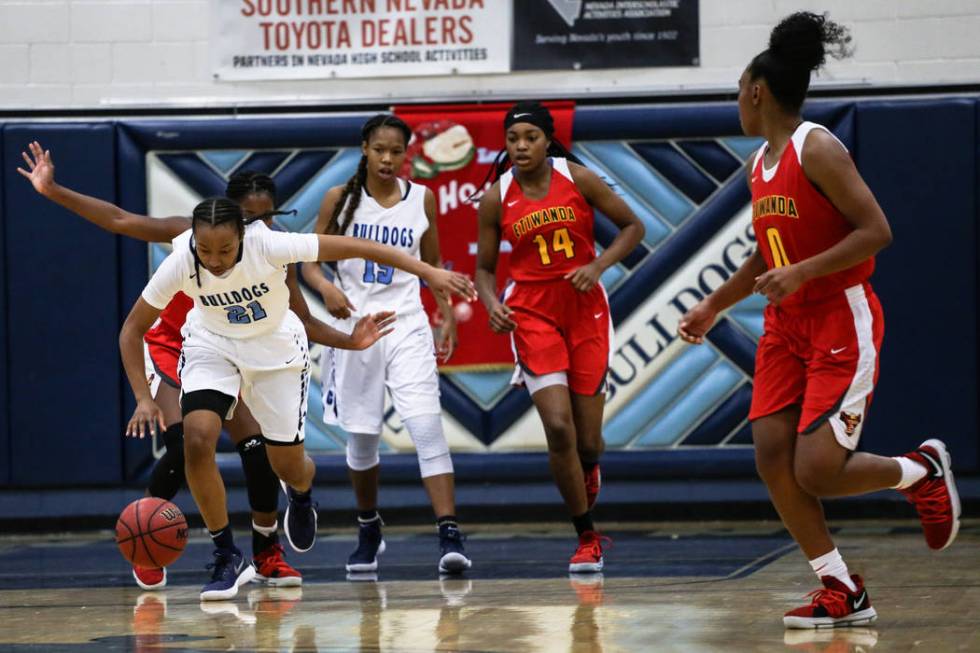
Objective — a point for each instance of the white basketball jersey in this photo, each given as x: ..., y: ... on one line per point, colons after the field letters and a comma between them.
x: 371, y: 287
x: 249, y: 300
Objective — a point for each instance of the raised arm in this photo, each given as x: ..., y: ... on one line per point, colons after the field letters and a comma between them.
x: 333, y: 297
x: 441, y: 282
x: 487, y: 251
x: 103, y: 214
x: 631, y: 231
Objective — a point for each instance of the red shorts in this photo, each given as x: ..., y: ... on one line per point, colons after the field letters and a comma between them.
x: 823, y: 357
x: 560, y: 329
x: 164, y: 361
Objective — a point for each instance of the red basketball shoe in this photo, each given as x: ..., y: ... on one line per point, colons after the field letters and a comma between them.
x: 272, y: 568
x: 935, y: 496
x: 150, y: 578
x: 834, y: 605
x: 593, y: 483
x: 588, y: 555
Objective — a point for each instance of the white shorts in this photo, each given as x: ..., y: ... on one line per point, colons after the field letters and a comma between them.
x: 405, y: 362
x: 271, y: 372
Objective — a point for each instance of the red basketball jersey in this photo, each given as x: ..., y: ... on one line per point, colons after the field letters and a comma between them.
x: 793, y: 221
x: 166, y: 330
x: 551, y: 236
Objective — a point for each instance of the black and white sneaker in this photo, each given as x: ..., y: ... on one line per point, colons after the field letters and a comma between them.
x: 453, y: 560
x: 300, y: 520
x: 370, y: 544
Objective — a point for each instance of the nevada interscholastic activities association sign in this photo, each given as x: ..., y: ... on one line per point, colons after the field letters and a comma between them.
x: 297, y: 39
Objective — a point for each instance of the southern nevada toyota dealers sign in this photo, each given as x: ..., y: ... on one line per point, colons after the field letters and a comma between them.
x: 297, y: 39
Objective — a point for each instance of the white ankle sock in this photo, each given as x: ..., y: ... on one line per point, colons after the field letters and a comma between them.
x: 912, y: 472
x: 831, y: 564
x: 266, y: 530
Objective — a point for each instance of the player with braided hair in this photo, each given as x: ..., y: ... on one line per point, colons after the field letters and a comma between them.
x: 542, y: 202
x: 256, y: 193
x: 375, y: 204
x: 241, y: 339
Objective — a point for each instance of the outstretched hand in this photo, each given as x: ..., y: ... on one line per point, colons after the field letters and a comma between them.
x: 371, y: 328
x: 40, y: 168
x: 444, y: 283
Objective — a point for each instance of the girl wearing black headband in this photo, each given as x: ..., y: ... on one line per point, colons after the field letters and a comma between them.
x: 818, y: 227
x: 555, y: 309
x: 255, y: 192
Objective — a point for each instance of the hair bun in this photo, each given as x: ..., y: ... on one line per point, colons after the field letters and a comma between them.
x: 804, y: 39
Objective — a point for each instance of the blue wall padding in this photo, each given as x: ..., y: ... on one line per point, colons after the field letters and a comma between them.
x: 134, y: 270
x: 63, y: 315
x: 4, y: 368
x: 920, y: 160
x: 66, y: 286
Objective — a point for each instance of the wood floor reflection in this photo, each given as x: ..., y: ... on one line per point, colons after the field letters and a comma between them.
x: 926, y: 601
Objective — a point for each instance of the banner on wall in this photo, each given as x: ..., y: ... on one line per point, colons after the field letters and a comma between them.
x: 451, y: 152
x: 309, y: 39
x: 590, y: 34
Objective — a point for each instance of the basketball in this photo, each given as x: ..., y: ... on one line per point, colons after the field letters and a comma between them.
x: 151, y: 532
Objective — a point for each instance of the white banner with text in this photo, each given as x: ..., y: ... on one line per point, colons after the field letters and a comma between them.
x: 316, y: 39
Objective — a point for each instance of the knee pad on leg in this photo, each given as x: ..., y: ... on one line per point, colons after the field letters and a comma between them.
x: 430, y: 445
x: 260, y: 481
x: 362, y: 451
x: 168, y: 472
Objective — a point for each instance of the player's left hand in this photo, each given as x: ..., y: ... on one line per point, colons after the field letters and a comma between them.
x: 371, y: 328
x: 447, y: 340
x: 145, y: 419
x: 444, y: 283
x: 776, y: 284
x: 586, y: 277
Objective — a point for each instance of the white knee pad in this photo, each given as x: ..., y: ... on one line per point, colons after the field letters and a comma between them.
x: 430, y: 444
x: 362, y: 451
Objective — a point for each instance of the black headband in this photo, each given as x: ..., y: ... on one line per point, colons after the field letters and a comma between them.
x: 533, y: 113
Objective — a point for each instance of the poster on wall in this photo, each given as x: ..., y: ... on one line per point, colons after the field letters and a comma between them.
x: 317, y: 39
x: 592, y: 34
x: 453, y: 148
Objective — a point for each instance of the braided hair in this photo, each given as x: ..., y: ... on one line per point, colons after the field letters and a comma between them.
x: 798, y: 45
x: 251, y: 182
x: 530, y: 111
x: 354, y: 186
x: 216, y: 211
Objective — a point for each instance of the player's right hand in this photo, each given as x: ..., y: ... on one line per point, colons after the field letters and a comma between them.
x: 695, y: 323
x: 500, y: 320
x: 336, y: 301
x: 145, y: 419
x: 40, y: 166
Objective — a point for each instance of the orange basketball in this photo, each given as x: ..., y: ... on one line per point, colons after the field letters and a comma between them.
x: 151, y: 532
